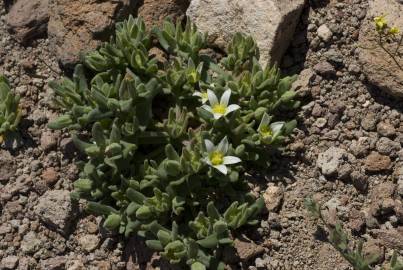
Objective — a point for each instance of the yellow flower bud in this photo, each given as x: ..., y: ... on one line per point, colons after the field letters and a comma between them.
x: 380, y: 23
x: 394, y: 31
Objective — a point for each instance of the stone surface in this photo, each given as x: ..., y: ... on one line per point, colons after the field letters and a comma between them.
x: 89, y: 242
x: 376, y: 162
x: 325, y: 69
x: 331, y: 160
x: 55, y: 208
x: 76, y: 27
x: 247, y: 250
x: 56, y: 263
x: 30, y: 243
x: 154, y: 12
x: 7, y: 166
x: 48, y: 140
x: 391, y: 238
x: 273, y: 197
x: 324, y: 33
x: 28, y: 19
x: 50, y: 176
x: 272, y: 23
x: 377, y: 65
x: 9, y: 262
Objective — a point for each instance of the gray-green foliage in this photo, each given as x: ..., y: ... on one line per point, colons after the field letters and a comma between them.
x: 10, y: 115
x: 339, y: 239
x: 147, y: 170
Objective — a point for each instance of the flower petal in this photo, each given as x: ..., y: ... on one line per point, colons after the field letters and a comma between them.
x: 212, y: 97
x: 197, y: 94
x: 208, y: 161
x: 265, y: 121
x: 209, y: 146
x: 207, y: 108
x: 225, y: 98
x: 223, y: 146
x: 231, y: 160
x: 276, y: 127
x: 222, y: 168
x: 217, y: 116
x: 231, y: 108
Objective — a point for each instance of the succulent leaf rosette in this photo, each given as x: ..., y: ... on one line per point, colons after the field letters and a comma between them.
x: 153, y: 168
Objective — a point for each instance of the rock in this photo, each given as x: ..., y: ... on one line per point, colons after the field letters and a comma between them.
x: 357, y: 220
x: 359, y: 180
x: 30, y: 243
x: 56, y: 263
x: 247, y: 250
x: 28, y: 19
x: 360, y: 148
x: 7, y: 166
x: 400, y: 186
x: 391, y: 238
x: 398, y: 208
x: 154, y: 12
x: 378, y: 66
x: 386, y: 146
x: 324, y: 33
x: 386, y: 129
x: 9, y: 262
x: 381, y: 198
x: 89, y: 242
x: 79, y: 26
x: 324, y: 69
x: 330, y: 161
x: 301, y: 85
x: 48, y: 140
x: 373, y: 249
x: 271, y: 23
x: 273, y: 197
x: 67, y: 147
x: 369, y: 121
x: 376, y: 162
x: 56, y: 209
x: 50, y: 176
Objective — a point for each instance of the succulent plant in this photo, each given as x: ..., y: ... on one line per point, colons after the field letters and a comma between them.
x: 153, y: 168
x: 10, y: 114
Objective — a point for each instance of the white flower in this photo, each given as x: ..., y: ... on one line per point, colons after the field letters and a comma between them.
x: 217, y: 155
x: 268, y: 132
x: 202, y: 95
x: 219, y: 109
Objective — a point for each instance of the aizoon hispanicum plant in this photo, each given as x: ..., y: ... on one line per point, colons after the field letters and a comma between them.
x: 173, y: 139
x: 10, y: 114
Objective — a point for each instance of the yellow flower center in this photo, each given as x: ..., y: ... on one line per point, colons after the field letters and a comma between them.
x: 266, y: 131
x: 216, y: 158
x: 218, y: 108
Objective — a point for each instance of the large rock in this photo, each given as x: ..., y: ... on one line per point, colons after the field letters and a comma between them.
x: 154, y: 12
x: 271, y: 22
x: 7, y: 166
x: 28, y: 19
x: 79, y: 26
x: 56, y: 209
x: 377, y: 64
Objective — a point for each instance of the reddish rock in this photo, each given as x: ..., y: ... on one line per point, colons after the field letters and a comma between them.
x: 247, y: 250
x: 28, y: 19
x: 76, y: 27
x: 50, y: 176
x: 154, y: 12
x: 376, y: 162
